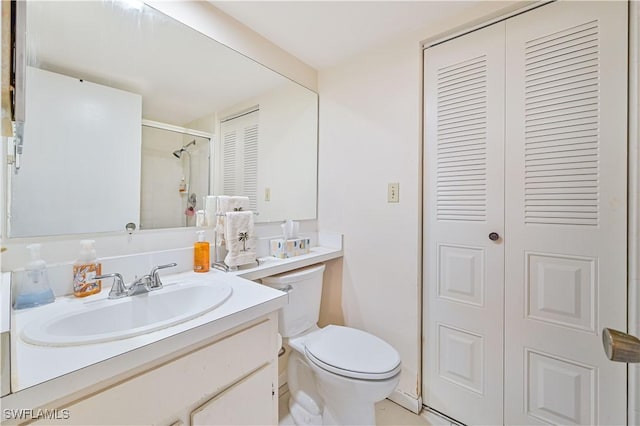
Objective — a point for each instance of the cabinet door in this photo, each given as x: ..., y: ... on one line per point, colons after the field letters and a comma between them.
x: 248, y: 402
x: 464, y: 145
x: 565, y: 238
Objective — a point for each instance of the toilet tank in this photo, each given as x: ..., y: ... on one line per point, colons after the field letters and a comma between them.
x: 304, y: 287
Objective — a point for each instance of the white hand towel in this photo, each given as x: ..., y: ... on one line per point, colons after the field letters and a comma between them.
x: 210, y: 210
x: 235, y: 203
x: 226, y: 204
x: 240, y: 238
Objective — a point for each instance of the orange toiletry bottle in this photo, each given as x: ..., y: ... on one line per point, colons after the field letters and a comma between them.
x: 85, y: 269
x: 201, y: 254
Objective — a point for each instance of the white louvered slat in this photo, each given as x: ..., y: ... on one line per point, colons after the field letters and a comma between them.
x: 250, y: 170
x: 461, y: 181
x: 229, y: 163
x: 240, y: 157
x: 561, y: 183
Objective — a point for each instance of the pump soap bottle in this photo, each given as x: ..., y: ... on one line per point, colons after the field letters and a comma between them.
x: 85, y: 269
x: 35, y: 289
x: 201, y: 257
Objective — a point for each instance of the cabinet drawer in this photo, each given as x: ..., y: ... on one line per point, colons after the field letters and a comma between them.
x: 173, y: 390
x: 248, y: 402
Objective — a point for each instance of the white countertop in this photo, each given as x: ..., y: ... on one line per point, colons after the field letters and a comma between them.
x: 33, y: 364
x: 64, y: 369
x: 272, y: 265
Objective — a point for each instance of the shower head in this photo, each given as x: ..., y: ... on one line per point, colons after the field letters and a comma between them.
x: 178, y: 152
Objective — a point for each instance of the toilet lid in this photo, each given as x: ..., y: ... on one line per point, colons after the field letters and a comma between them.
x: 353, y: 353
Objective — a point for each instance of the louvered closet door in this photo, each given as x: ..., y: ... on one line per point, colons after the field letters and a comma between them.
x: 464, y: 139
x: 565, y: 237
x: 240, y: 151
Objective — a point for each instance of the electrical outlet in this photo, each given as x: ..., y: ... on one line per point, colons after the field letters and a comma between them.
x: 267, y: 194
x: 393, y: 193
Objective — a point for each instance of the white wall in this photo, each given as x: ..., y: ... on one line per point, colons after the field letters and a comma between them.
x: 287, y: 152
x: 288, y: 125
x: 370, y: 135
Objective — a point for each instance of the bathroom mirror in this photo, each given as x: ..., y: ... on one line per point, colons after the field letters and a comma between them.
x: 191, y: 137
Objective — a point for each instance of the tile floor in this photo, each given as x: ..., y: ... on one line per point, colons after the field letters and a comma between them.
x: 387, y: 414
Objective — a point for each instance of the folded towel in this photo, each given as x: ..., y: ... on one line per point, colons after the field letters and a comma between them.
x: 226, y: 204
x: 200, y: 219
x: 240, y: 238
x: 232, y: 204
x: 210, y: 210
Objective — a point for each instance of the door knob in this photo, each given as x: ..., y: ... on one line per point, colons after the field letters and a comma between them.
x: 621, y: 347
x: 494, y: 236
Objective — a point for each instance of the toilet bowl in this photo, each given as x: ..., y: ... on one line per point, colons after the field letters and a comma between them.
x: 335, y: 374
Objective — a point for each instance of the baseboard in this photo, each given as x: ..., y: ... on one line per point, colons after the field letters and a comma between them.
x: 409, y: 402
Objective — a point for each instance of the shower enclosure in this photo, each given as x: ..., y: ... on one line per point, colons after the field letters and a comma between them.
x: 175, y: 175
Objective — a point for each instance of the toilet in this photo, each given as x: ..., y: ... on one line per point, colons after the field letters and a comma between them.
x: 335, y: 374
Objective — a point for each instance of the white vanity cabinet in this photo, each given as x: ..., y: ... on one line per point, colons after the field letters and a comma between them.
x: 232, y: 380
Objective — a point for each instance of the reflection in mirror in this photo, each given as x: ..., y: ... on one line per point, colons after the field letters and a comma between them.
x: 183, y: 80
x: 80, y: 170
x: 175, y: 176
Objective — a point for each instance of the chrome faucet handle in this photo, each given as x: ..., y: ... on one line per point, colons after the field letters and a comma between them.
x: 118, y: 289
x: 155, y: 277
x: 141, y: 285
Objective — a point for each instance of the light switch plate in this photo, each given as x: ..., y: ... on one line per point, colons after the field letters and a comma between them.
x: 267, y: 194
x: 393, y: 193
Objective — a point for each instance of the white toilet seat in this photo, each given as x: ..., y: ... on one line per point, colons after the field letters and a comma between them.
x: 352, y: 353
x: 352, y: 374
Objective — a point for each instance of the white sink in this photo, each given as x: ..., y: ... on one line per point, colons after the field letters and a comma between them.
x: 108, y: 320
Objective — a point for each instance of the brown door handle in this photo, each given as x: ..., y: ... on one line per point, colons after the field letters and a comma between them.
x: 620, y: 346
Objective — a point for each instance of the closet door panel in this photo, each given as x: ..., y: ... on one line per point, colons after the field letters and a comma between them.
x: 464, y: 203
x: 565, y: 236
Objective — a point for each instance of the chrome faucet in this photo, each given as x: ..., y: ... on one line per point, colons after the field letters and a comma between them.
x: 139, y: 286
x: 144, y: 284
x: 156, y: 284
x: 118, y: 289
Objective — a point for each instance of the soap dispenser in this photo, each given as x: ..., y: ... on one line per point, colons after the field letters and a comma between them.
x: 34, y: 289
x: 201, y: 259
x: 85, y: 269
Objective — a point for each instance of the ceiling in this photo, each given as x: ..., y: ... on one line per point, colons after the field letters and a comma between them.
x: 323, y: 33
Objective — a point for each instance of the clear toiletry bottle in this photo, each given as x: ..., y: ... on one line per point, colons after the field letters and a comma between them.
x: 85, y: 269
x: 201, y: 259
x: 34, y: 289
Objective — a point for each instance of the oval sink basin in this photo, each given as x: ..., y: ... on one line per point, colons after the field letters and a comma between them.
x: 108, y: 320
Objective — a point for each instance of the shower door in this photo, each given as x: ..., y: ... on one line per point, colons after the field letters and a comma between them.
x: 525, y: 225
